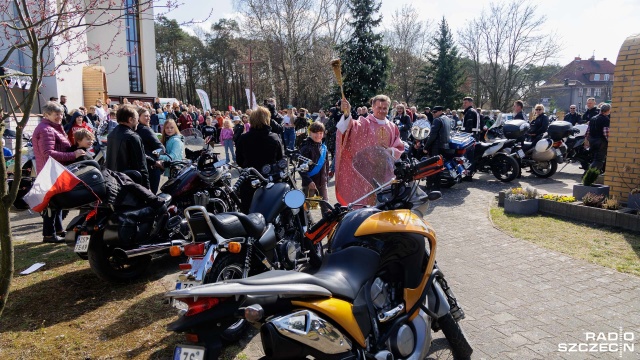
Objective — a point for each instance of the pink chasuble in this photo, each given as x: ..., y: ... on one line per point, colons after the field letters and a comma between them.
x: 363, y: 158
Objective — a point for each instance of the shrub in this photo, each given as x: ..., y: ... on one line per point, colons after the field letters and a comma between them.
x: 593, y: 200
x: 590, y: 177
x: 611, y: 203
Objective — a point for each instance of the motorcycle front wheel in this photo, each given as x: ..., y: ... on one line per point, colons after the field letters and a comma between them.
x: 545, y: 171
x: 451, y: 329
x: 112, y: 268
x: 228, y: 267
x: 505, y: 168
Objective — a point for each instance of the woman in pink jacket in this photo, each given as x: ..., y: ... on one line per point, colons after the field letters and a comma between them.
x: 49, y: 140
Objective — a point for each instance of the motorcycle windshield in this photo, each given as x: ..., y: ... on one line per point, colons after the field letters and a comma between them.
x: 373, y: 166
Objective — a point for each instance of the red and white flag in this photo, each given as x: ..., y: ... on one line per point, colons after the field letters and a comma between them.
x: 231, y: 108
x: 53, y: 179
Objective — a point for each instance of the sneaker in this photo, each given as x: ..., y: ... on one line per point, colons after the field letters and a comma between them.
x: 53, y: 239
x: 61, y: 234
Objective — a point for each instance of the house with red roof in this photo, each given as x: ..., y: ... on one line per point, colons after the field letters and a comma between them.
x: 576, y: 82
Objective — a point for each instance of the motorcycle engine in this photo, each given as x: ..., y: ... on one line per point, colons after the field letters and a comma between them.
x: 289, y: 251
x: 383, y: 294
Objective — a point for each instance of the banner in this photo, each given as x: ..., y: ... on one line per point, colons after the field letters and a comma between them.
x: 204, y: 100
x: 255, y: 103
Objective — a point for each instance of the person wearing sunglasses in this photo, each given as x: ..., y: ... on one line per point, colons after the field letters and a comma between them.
x: 539, y: 125
x: 573, y: 117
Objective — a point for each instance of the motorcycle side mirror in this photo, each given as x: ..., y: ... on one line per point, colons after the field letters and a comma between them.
x: 158, y: 152
x: 434, y: 195
x: 294, y: 199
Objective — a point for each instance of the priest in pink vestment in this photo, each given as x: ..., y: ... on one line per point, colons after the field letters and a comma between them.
x: 366, y: 149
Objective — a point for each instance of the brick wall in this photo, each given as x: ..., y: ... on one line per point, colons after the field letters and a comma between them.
x: 623, y: 156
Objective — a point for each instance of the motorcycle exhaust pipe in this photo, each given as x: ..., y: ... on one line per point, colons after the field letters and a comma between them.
x: 146, y: 249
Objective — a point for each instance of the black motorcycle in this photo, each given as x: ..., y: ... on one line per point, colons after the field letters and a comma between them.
x: 121, y: 224
x: 270, y: 237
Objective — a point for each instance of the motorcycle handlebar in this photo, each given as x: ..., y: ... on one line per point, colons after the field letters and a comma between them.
x: 244, y: 174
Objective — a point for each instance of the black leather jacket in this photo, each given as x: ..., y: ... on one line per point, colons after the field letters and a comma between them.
x: 126, y: 152
x: 589, y: 114
x: 439, y: 136
x: 539, y: 126
x: 150, y: 142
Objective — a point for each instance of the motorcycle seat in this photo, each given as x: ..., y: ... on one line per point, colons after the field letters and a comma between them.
x: 483, y: 146
x: 254, y: 224
x: 527, y: 145
x: 343, y: 273
x: 230, y: 225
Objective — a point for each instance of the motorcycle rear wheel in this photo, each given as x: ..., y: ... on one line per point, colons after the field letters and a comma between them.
x: 451, y: 329
x: 547, y: 172
x: 228, y: 267
x: 505, y: 168
x: 111, y: 268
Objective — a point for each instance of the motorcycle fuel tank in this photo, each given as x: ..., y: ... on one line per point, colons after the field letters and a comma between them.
x: 186, y: 180
x: 268, y: 201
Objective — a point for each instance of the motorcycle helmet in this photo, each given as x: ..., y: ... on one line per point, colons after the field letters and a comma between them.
x: 207, y: 170
x: 420, y: 129
x: 543, y: 145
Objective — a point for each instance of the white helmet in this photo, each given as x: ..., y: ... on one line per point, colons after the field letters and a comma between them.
x: 420, y: 129
x: 543, y: 145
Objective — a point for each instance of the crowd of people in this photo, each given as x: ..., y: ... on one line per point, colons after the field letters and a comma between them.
x: 259, y: 136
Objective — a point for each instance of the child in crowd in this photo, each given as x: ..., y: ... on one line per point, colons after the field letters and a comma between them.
x: 78, y: 123
x: 226, y: 138
x: 208, y: 130
x: 83, y: 139
x: 316, y: 179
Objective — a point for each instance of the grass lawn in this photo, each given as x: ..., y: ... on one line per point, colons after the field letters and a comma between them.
x: 64, y: 311
x: 604, y: 246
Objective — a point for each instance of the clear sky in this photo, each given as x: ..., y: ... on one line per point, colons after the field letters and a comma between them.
x: 585, y: 27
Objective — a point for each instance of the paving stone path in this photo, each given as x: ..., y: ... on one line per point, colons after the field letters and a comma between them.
x: 521, y: 301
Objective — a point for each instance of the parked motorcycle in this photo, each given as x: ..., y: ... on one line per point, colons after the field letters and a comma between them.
x: 204, y: 181
x: 569, y: 140
x: 234, y: 245
x: 376, y: 295
x: 119, y: 233
x: 540, y: 155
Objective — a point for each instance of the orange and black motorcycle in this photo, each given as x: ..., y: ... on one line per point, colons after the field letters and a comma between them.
x: 377, y: 295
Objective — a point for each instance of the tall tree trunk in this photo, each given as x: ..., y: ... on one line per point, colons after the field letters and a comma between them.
x: 6, y: 255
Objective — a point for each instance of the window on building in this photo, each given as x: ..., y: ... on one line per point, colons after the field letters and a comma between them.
x: 606, y: 77
x: 588, y: 91
x: 579, y: 91
x: 596, y: 77
x: 132, y: 22
x: 596, y: 92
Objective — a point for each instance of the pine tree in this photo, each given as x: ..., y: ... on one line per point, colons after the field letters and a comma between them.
x: 442, y: 76
x: 364, y: 57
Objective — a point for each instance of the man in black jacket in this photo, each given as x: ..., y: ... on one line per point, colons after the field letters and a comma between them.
x: 573, y: 117
x: 276, y: 119
x: 592, y: 111
x: 471, y: 122
x: 125, y: 150
x: 150, y: 143
x: 517, y: 110
x: 437, y: 143
x: 597, y: 137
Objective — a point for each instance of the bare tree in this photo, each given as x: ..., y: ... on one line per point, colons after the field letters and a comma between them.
x: 406, y: 39
x: 51, y: 36
x: 289, y: 25
x: 503, y: 43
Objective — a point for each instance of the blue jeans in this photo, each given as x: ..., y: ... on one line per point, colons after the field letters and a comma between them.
x: 228, y: 146
x: 51, y: 224
x: 290, y: 138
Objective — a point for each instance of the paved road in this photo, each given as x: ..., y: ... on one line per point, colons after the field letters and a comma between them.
x: 522, y: 301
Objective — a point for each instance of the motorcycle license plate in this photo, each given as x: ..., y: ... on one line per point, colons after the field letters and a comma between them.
x: 186, y: 352
x: 521, y: 153
x: 181, y: 285
x: 82, y: 244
